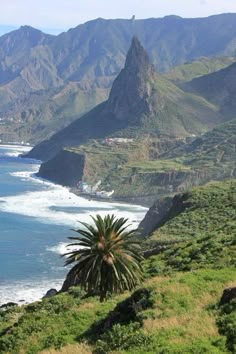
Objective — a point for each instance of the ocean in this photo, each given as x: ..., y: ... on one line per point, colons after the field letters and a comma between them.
x: 36, y: 217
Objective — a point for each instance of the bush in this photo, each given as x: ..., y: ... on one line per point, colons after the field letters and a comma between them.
x: 54, y: 340
x: 122, y: 338
x: 226, y: 323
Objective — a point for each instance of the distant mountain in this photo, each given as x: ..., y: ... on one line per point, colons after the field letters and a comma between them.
x: 197, y: 68
x: 219, y: 88
x: 18, y: 51
x: 48, y: 81
x: 140, y: 102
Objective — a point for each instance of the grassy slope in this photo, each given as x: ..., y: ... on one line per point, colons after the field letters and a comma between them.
x: 182, y: 315
x: 200, y: 67
x: 181, y: 319
x: 206, y: 227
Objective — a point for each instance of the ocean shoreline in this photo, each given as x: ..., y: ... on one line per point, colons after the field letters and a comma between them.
x: 50, y: 204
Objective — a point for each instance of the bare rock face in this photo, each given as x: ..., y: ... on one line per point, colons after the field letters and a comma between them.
x: 50, y: 293
x: 161, y: 211
x: 154, y: 216
x: 130, y: 93
x: 66, y: 168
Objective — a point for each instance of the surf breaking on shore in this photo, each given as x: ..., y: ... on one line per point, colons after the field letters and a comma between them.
x: 52, y: 204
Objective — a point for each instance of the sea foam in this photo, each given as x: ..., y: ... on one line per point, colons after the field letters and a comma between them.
x: 15, y: 150
x: 56, y: 204
x: 23, y: 292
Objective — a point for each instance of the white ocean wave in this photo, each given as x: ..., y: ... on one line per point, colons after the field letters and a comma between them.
x: 51, y: 205
x: 28, y: 174
x: 16, y: 147
x: 61, y: 248
x: 12, y: 154
x: 23, y: 292
x: 15, y: 150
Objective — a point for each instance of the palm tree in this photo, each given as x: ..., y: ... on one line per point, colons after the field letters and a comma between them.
x: 107, y: 257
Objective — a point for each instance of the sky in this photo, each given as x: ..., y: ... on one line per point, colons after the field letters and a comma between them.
x: 56, y: 16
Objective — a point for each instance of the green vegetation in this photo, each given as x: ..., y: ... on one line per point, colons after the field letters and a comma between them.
x: 179, y: 317
x: 107, y: 257
x: 208, y: 210
x: 203, y: 225
x: 226, y: 322
x: 177, y: 309
x: 142, y: 167
x: 203, y: 66
x: 158, y: 165
x: 53, y: 322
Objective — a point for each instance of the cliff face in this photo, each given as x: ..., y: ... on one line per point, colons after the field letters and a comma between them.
x: 131, y: 91
x: 66, y: 168
x: 155, y: 214
x: 131, y: 184
x: 163, y: 210
x: 141, y: 171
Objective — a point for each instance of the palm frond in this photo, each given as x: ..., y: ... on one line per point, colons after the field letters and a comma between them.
x: 107, y: 256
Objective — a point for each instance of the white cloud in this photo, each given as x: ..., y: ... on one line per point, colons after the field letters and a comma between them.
x: 63, y: 14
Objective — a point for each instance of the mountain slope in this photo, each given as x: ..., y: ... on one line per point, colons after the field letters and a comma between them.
x: 17, y: 49
x: 219, y: 88
x: 213, y: 150
x: 197, y: 68
x: 140, y: 102
x: 91, y: 55
x: 99, y: 47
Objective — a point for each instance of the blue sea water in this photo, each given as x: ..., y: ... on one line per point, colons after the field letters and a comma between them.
x: 36, y: 218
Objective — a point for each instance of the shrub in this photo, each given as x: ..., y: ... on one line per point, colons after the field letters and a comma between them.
x: 122, y: 338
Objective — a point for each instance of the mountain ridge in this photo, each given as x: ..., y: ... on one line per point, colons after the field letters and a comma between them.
x: 91, y: 55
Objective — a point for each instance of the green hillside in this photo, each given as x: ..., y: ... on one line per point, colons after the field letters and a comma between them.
x: 218, y: 88
x: 213, y: 151
x: 204, y: 221
x: 142, y: 170
x: 197, y: 68
x: 176, y: 311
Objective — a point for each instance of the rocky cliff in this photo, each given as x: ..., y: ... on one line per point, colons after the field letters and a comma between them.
x: 161, y: 211
x: 66, y: 168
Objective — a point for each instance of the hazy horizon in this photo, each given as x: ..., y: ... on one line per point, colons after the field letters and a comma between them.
x: 54, y: 17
